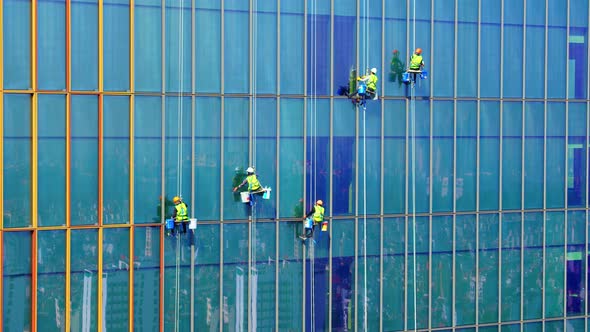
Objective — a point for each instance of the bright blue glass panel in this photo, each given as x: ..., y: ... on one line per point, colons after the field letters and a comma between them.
x: 555, y: 160
x: 444, y: 56
x: 394, y: 157
x: 488, y: 268
x: 317, y: 160
x: 291, y: 44
x: 146, y: 278
x: 465, y: 268
x: 419, y: 158
x: 235, y: 152
x: 421, y: 259
x: 511, y: 155
x: 236, y: 47
x: 51, y: 286
x: 576, y: 155
x: 394, y: 268
x: 265, y: 50
x: 115, y: 279
x: 489, y: 156
x: 396, y: 50
x: 372, y: 158
x: 533, y: 266
x: 265, y: 150
x: 513, y: 68
x: 442, y: 270
x: 344, y: 166
x: 535, y: 64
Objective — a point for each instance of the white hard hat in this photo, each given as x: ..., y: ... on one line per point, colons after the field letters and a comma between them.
x: 250, y: 170
x: 374, y: 70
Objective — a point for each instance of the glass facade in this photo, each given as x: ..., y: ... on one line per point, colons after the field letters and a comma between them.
x: 465, y: 208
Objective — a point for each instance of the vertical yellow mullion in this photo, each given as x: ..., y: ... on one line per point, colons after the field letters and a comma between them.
x: 34, y: 153
x: 67, y: 308
x: 99, y: 281
x: 100, y: 46
x: 68, y: 213
x: 132, y: 46
x: 1, y: 269
x: 34, y: 45
x: 34, y: 280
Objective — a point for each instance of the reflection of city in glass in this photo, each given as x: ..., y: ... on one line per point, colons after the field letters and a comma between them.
x: 460, y: 202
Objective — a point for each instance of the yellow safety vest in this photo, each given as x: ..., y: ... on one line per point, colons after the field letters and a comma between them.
x: 181, y: 212
x: 253, y: 183
x: 372, y: 82
x: 318, y: 214
x: 416, y: 62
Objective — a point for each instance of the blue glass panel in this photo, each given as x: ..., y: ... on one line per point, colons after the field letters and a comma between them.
x: 51, y: 160
x: 535, y: 14
x: 578, y: 63
x: 371, y: 174
x: 535, y: 64
x: 344, y: 166
x: 16, y: 281
x: 511, y: 155
x: 51, y: 45
x: 368, y: 272
x: 578, y: 14
x: 236, y: 45
x: 419, y: 158
x: 467, y: 57
x: 84, y: 160
x: 16, y: 25
x: 318, y: 51
x: 489, y: 155
x: 291, y: 158
x: 84, y: 45
x: 396, y: 51
x: 556, y: 70
x: 394, y: 157
x: 442, y: 270
x: 207, y: 284
x: 533, y: 266
x: 290, y: 277
x: 491, y: 11
x: 146, y: 279
x: 147, y: 163
x: 442, y: 156
x: 394, y: 267
x: 177, y: 253
x: 443, y: 67
x: 116, y: 159
x: 178, y: 154
x: 207, y: 157
x: 555, y: 161
x: 115, y: 278
x: 235, y: 151
x: 512, y: 69
x: 533, y: 155
x: 265, y: 150
x: 291, y: 44
x: 466, y: 172
x: 265, y: 51
x: 557, y: 12
x: 17, y: 160
x: 318, y: 159
x: 236, y: 5
x: 418, y: 263
x: 421, y: 38
x: 236, y: 276
x: 208, y: 48
x: 178, y: 45
x: 148, y: 47
x: 554, y: 264
x: 51, y: 286
x: 263, y: 291
x: 465, y: 268
x: 576, y: 263
x: 488, y: 268
x: 576, y: 155
x: 343, y: 280
x: 513, y: 13
x: 116, y: 45
x: 489, y: 59
x: 84, y: 278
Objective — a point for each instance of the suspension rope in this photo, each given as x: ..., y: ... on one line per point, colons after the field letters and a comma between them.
x: 366, y: 63
x: 413, y: 117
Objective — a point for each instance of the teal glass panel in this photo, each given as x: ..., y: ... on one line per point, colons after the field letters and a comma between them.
x: 441, y: 261
x: 84, y: 45
x: 533, y: 266
x: 264, y: 145
x: 533, y: 155
x: 17, y: 160
x: 465, y: 274
x: 368, y: 273
x: 442, y: 157
x: 51, y: 162
x: 466, y: 159
x: 51, y: 286
x: 115, y: 278
x: 369, y: 160
x: 208, y: 46
x: 16, y: 24
x: 394, y: 157
x: 510, y: 263
x: 418, y: 272
x: 177, y: 286
x: 116, y: 45
x: 554, y: 264
x: 146, y: 278
x: 51, y: 45
x: 291, y: 158
x: 511, y: 155
x: 115, y: 159
x: 488, y: 268
x: 394, y: 267
x: 236, y: 276
x: 555, y: 164
x: 178, y: 37
x: 84, y: 279
x: 16, y: 281
x: 207, y: 278
x: 290, y: 291
x: 235, y: 152
x: 263, y: 289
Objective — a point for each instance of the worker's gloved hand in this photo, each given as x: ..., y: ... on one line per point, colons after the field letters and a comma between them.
x: 235, y: 189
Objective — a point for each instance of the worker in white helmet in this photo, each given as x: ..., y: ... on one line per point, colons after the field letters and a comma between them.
x: 254, y: 186
x: 371, y: 82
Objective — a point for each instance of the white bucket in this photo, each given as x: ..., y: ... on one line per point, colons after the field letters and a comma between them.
x: 193, y: 224
x: 245, y: 197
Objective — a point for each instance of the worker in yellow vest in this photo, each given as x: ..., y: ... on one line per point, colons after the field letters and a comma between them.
x: 254, y: 186
x: 317, y: 217
x: 371, y: 82
x: 180, y: 214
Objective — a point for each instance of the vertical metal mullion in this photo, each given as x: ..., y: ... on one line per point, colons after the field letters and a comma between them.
x: 193, y: 157
x: 381, y: 172
x: 522, y: 165
x: 454, y: 263
x: 34, y: 279
x: 222, y: 159
x: 500, y: 217
x: 305, y: 147
x: 251, y: 154
x: 477, y: 163
x: 278, y: 162
x: 331, y: 158
x: 163, y: 156
x: 356, y: 175
x: 586, y: 155
x: 543, y: 300
x: 131, y: 161
x: 407, y: 188
x: 566, y: 160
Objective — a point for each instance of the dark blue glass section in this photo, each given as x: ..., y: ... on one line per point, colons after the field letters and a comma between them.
x: 555, y: 156
x: 370, y: 161
x: 397, y: 51
x: 344, y: 165
x: 291, y: 47
x: 576, y: 155
x: 16, y: 281
x: 236, y: 47
x: 318, y: 51
x: 554, y: 263
x: 317, y: 159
